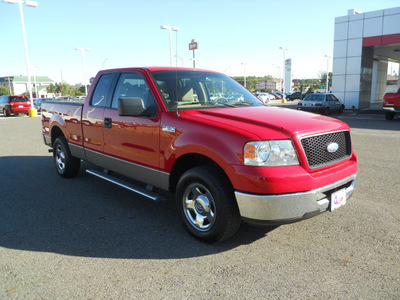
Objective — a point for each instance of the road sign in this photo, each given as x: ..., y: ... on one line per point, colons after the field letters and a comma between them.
x: 193, y: 45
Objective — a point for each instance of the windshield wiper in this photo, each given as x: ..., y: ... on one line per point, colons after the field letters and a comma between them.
x: 240, y: 103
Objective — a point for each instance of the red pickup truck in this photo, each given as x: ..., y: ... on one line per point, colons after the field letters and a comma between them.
x: 391, y: 104
x: 160, y: 131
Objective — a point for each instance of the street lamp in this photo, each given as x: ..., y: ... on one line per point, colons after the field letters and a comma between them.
x: 32, y: 111
x: 283, y: 70
x: 327, y: 72
x: 244, y: 73
x: 279, y: 75
x: 84, y: 66
x: 34, y: 78
x: 176, y: 29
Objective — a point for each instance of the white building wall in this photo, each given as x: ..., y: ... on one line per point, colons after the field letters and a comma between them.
x: 347, y: 53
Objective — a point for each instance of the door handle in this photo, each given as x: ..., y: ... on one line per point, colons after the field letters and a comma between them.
x: 107, y: 122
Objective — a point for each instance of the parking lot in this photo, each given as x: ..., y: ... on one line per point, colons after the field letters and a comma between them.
x: 83, y: 238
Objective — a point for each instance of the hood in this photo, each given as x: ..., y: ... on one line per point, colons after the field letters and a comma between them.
x: 271, y: 122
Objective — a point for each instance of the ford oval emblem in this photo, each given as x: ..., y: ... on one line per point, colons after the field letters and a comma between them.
x: 332, y: 147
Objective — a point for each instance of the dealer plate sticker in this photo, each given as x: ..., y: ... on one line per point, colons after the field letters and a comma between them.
x: 338, y: 199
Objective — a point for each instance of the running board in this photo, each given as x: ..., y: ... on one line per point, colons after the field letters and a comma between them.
x: 127, y: 185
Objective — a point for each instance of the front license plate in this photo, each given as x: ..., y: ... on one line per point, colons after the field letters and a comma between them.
x: 338, y: 199
x: 21, y: 106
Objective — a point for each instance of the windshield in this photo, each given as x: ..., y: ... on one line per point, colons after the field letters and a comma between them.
x: 315, y: 97
x: 182, y: 89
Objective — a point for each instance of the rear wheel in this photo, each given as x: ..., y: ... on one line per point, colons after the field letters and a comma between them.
x: 326, y: 111
x: 66, y: 165
x: 207, y: 205
x: 389, y: 115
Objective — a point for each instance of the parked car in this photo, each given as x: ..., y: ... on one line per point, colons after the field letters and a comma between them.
x: 391, y: 104
x: 277, y: 96
x: 295, y: 96
x: 38, y: 103
x: 264, y: 97
x: 321, y: 102
x: 14, y: 105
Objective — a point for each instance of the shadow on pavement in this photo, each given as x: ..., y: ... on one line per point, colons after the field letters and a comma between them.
x: 85, y: 216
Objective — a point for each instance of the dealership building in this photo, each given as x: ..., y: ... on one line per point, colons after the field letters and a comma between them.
x: 364, y: 44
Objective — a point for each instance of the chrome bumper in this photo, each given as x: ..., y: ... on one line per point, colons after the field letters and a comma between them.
x: 394, y: 108
x: 286, y: 208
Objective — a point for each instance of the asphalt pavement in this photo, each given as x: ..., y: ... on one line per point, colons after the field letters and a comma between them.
x: 83, y: 238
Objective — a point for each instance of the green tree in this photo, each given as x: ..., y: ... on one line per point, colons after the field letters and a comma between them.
x: 4, y: 91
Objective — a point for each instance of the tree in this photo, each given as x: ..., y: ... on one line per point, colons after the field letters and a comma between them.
x: 4, y: 91
x: 322, y: 77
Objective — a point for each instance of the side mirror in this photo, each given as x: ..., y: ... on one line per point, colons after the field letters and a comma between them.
x: 134, y: 107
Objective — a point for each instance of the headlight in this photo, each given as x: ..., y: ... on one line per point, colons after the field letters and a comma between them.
x: 270, y: 153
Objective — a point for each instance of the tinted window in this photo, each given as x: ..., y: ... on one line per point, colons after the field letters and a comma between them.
x: 133, y: 85
x: 18, y: 99
x: 99, y: 97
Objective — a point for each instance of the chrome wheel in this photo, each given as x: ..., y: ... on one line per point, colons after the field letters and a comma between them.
x: 60, y: 158
x: 199, y: 207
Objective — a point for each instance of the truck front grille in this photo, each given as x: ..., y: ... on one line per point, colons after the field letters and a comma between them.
x: 316, y: 148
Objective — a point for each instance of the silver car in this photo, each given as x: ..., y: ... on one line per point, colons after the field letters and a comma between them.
x: 324, y: 103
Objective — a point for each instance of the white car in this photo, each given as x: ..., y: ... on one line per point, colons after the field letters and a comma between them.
x: 264, y: 97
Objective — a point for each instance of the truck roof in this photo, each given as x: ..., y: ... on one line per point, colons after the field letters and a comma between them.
x: 157, y: 68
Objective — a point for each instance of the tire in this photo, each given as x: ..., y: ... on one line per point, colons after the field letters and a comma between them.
x: 66, y: 165
x: 341, y: 109
x: 207, y: 205
x: 326, y: 111
x: 389, y: 115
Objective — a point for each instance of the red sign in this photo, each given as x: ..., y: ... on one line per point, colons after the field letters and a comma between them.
x: 193, y: 45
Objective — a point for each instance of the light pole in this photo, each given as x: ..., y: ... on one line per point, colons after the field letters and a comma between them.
x: 283, y: 71
x: 176, y: 29
x: 34, y: 78
x: 84, y: 66
x: 280, y: 73
x: 244, y: 73
x: 32, y: 111
x: 327, y: 72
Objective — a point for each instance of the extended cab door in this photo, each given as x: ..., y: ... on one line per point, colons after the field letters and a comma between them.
x: 131, y: 142
x: 92, y: 116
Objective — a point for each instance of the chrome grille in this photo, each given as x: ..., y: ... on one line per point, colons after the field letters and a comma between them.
x: 316, y: 149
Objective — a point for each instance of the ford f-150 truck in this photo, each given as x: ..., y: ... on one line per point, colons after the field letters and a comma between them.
x: 391, y: 104
x: 156, y: 131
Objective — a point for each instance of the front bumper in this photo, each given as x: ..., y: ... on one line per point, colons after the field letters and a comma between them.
x: 392, y: 108
x: 287, y: 208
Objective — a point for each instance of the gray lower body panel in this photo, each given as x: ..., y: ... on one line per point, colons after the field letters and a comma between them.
x: 131, y: 170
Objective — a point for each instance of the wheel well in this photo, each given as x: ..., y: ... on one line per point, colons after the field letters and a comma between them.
x: 187, y: 162
x: 55, y: 133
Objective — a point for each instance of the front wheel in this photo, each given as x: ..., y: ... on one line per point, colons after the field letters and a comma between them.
x: 389, y: 115
x: 207, y: 205
x: 66, y: 165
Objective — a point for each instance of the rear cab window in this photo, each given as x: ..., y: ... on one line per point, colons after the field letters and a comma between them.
x: 101, y: 92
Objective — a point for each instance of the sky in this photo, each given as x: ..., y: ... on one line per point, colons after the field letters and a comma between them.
x: 234, y: 37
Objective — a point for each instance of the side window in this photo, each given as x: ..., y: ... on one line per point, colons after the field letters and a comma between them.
x: 334, y: 98
x: 133, y: 85
x: 100, y: 93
